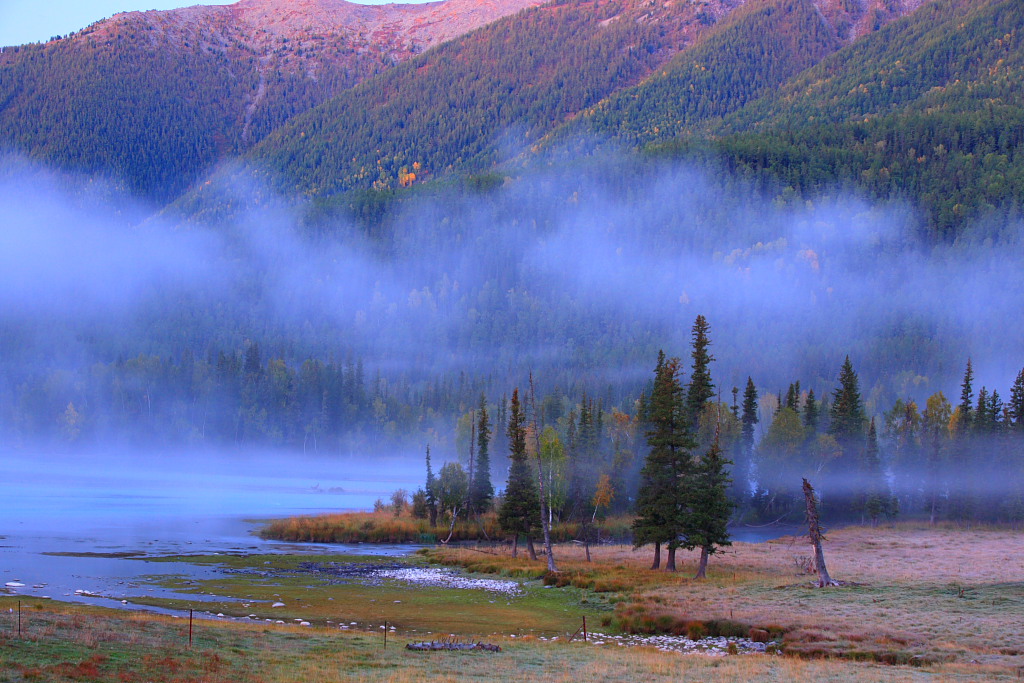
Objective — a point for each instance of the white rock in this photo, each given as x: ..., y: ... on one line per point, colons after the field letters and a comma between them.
x: 278, y: 604
x: 304, y: 623
x: 15, y: 584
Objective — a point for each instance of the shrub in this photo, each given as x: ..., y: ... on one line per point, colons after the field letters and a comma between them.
x: 695, y: 630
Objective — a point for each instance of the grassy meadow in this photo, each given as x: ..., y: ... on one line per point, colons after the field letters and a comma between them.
x: 936, y: 604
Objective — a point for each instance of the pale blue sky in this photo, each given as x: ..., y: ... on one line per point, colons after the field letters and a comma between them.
x: 30, y: 21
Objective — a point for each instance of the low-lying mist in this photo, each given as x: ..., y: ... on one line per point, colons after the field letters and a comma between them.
x: 579, y: 274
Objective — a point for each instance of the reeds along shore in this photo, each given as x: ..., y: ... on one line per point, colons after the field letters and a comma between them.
x: 385, y: 527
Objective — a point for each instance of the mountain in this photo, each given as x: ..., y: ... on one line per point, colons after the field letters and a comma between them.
x: 930, y: 109
x: 154, y: 98
x: 499, y: 90
x: 757, y: 48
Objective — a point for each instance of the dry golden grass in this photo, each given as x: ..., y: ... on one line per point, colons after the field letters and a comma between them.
x: 947, y: 594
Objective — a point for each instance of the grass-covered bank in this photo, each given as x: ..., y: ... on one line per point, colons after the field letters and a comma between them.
x: 64, y: 643
x: 355, y: 591
x: 920, y: 604
x: 385, y: 527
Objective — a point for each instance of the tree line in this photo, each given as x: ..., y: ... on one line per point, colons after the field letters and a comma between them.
x: 702, y: 464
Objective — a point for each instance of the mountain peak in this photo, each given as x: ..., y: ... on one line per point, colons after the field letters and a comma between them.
x: 396, y: 29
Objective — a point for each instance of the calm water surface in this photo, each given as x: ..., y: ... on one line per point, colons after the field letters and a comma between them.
x: 66, y: 522
x: 54, y: 510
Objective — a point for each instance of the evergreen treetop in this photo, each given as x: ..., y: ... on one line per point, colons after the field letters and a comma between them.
x: 848, y: 419
x: 701, y: 388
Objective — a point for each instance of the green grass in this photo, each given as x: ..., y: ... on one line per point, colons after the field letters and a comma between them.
x: 64, y: 643
x: 257, y: 581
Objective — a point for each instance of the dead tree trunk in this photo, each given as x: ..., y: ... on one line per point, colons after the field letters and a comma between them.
x: 814, y: 531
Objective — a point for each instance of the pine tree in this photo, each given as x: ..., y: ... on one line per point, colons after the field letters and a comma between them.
x: 431, y: 491
x: 482, y: 491
x: 667, y: 469
x: 574, y: 496
x: 1016, y: 406
x: 745, y: 453
x: 701, y: 389
x: 793, y: 397
x: 750, y: 417
x: 961, y: 498
x: 811, y: 414
x: 966, y: 400
x: 981, y: 414
x: 520, y: 511
x: 847, y: 413
x: 847, y: 426
x: 877, y: 501
x: 709, y: 510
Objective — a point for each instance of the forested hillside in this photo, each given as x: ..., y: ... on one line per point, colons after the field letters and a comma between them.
x: 472, y: 101
x: 755, y: 49
x: 153, y: 99
x: 478, y: 100
x: 929, y: 109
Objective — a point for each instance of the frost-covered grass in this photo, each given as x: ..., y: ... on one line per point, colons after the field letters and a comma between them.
x: 446, y: 578
x: 915, y: 593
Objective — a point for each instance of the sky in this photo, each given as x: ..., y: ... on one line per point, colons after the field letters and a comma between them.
x: 24, y: 21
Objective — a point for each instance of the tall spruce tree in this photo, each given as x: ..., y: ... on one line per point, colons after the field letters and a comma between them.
x: 432, y: 492
x: 668, y: 469
x: 811, y: 414
x: 1016, y: 406
x: 877, y: 502
x: 966, y: 407
x: 482, y: 491
x: 520, y: 511
x: 709, y: 506
x: 745, y: 454
x: 847, y: 418
x: 701, y: 388
x: 847, y: 426
x: 961, y: 498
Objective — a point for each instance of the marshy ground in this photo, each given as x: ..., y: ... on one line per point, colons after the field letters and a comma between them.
x: 921, y: 604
